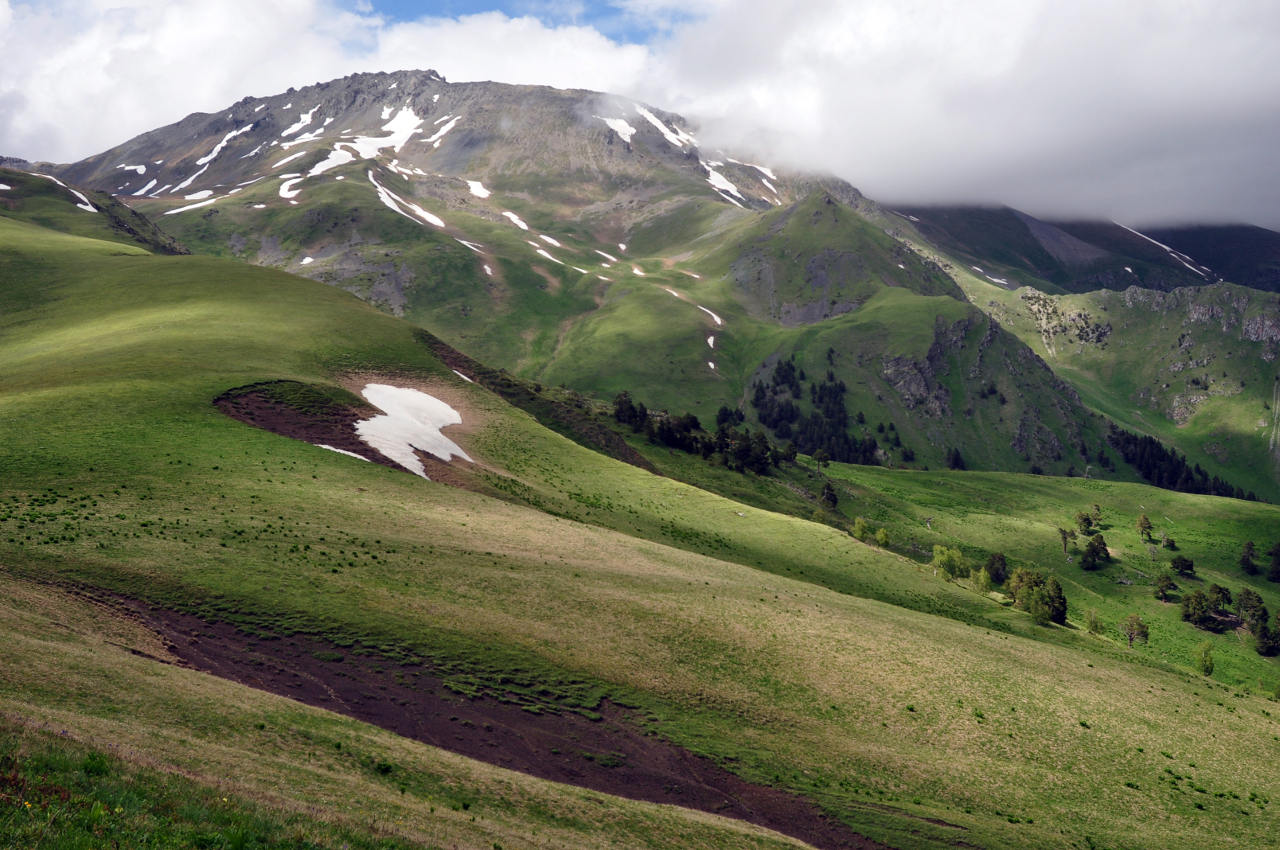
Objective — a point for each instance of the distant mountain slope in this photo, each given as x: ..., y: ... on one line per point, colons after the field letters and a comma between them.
x: 1243, y: 254
x: 588, y: 240
x: 1011, y: 248
x: 1194, y: 367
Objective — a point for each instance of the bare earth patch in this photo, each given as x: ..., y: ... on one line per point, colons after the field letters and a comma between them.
x: 610, y: 755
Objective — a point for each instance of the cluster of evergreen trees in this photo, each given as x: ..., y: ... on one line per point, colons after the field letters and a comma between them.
x: 826, y: 428
x: 1166, y: 468
x: 1214, y: 608
x: 737, y: 448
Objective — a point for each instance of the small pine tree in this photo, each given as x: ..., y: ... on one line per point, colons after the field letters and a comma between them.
x: 1196, y: 609
x: 1144, y: 527
x: 1164, y: 586
x: 997, y: 567
x: 1247, y: 563
x: 1183, y: 566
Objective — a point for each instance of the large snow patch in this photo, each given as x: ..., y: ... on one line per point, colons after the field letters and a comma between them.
x: 413, y: 421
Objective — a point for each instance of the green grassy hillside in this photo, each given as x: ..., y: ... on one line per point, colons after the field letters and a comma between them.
x: 1194, y: 367
x: 787, y: 651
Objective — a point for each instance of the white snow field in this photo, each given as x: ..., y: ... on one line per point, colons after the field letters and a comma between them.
x: 5, y: 187
x: 477, y: 188
x: 412, y: 421
x: 717, y: 319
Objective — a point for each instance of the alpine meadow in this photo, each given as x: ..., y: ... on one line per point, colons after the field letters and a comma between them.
x: 401, y: 463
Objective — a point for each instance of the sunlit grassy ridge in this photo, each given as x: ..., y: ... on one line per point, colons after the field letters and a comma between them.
x: 770, y: 643
x: 1179, y: 366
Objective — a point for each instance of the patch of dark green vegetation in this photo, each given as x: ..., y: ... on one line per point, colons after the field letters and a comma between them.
x: 1167, y: 468
x: 307, y: 399
x: 567, y: 413
x: 823, y: 431
x: 737, y: 449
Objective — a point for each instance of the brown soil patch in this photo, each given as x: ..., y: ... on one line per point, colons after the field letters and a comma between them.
x: 336, y: 425
x: 610, y: 755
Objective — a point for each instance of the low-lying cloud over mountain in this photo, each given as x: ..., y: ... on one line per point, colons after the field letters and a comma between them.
x: 1153, y: 112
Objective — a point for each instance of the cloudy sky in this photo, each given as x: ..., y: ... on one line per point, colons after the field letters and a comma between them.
x: 1147, y: 111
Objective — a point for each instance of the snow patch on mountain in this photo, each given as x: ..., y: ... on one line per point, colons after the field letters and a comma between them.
x: 84, y: 202
x: 290, y: 158
x: 303, y: 120
x: 5, y: 187
x: 199, y: 196
x: 545, y: 238
x: 398, y: 129
x: 217, y: 149
x: 608, y: 257
x: 141, y: 169
x: 477, y: 188
x: 303, y: 139
x: 412, y: 421
x: 185, y: 183
x: 435, y: 139
x: 515, y: 219
x: 395, y: 202
x: 479, y: 249
x: 719, y: 322
x: 677, y: 138
x: 619, y: 126
x: 145, y: 189
x: 721, y: 183
x: 194, y: 206
x: 336, y: 157
x: 1177, y: 255
x: 711, y: 341
x: 287, y: 189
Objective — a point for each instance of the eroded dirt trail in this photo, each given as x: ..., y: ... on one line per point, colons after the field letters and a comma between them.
x: 611, y: 755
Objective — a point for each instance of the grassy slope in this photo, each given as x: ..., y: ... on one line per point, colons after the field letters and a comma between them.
x: 554, y: 324
x: 801, y: 685
x: 1129, y: 377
